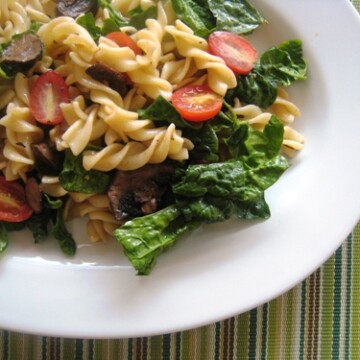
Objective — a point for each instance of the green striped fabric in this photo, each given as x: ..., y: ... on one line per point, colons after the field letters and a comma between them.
x: 318, y: 319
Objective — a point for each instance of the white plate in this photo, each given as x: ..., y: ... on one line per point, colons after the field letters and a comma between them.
x: 225, y: 269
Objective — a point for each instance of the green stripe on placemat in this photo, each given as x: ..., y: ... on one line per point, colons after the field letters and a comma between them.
x: 318, y: 319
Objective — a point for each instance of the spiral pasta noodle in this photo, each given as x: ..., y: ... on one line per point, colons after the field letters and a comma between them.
x: 101, y: 222
x: 220, y: 77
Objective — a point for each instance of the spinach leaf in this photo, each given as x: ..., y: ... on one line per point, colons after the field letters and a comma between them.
x: 257, y: 145
x: 196, y: 14
x: 145, y: 238
x: 75, y: 178
x: 232, y: 179
x: 161, y: 110
x: 87, y: 21
x: 138, y: 16
x: 4, y: 241
x: 115, y: 15
x: 284, y: 64
x: 211, y: 209
x: 38, y: 225
x: 281, y: 65
x: 254, y: 88
x: 236, y: 16
x: 205, y: 16
x: 62, y: 235
x: 206, y: 143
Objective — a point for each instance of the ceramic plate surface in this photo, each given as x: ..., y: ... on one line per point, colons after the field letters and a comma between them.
x: 223, y: 269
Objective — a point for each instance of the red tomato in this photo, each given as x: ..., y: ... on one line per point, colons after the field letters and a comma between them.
x: 237, y: 52
x: 123, y: 40
x: 46, y: 95
x: 197, y: 102
x: 13, y: 205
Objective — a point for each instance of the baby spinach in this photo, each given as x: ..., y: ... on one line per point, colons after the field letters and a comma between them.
x: 62, y: 235
x: 4, y: 241
x: 236, y: 16
x: 211, y: 209
x: 205, y: 16
x: 87, y: 21
x: 75, y: 178
x: 232, y: 179
x: 114, y: 14
x: 206, y: 143
x: 138, y: 16
x: 145, y: 238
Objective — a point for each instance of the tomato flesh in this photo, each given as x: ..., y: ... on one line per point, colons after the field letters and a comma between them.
x: 122, y: 40
x: 237, y: 52
x: 46, y: 95
x: 13, y: 205
x: 197, y: 102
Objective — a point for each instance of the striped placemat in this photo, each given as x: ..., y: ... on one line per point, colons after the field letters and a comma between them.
x: 318, y: 319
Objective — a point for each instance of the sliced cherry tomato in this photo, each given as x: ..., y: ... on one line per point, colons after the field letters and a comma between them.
x: 13, y: 205
x: 197, y: 102
x: 237, y: 52
x: 122, y: 40
x: 46, y: 95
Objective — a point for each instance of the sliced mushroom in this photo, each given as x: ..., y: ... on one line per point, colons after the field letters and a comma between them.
x: 105, y: 74
x: 47, y: 159
x: 33, y: 195
x: 75, y: 8
x: 21, y: 54
x: 140, y: 192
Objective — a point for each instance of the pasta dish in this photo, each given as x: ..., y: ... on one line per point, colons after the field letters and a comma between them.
x: 148, y: 117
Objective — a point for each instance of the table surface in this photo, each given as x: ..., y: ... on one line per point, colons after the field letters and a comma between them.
x: 317, y: 319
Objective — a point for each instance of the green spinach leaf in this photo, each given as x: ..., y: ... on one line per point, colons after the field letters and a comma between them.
x: 138, y: 16
x: 196, y: 14
x: 211, y: 209
x: 75, y: 178
x: 232, y: 179
x: 4, y: 241
x: 205, y: 142
x: 62, y: 235
x: 115, y: 15
x: 145, y: 238
x: 235, y: 16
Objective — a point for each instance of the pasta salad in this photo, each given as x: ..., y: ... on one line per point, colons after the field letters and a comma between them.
x: 149, y: 117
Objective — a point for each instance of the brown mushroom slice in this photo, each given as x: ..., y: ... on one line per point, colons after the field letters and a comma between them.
x: 75, y: 8
x: 47, y: 159
x: 140, y: 192
x: 105, y: 74
x: 21, y: 54
x: 33, y: 195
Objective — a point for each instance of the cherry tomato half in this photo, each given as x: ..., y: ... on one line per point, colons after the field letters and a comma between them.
x: 197, y: 102
x: 122, y: 39
x: 237, y: 52
x: 13, y: 205
x: 46, y: 95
